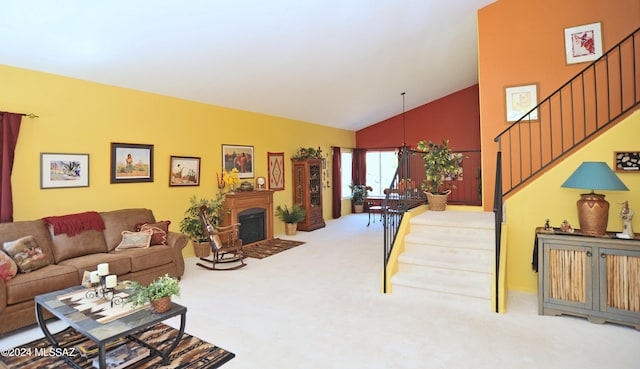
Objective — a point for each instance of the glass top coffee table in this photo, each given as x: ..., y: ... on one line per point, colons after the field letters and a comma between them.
x: 102, y: 333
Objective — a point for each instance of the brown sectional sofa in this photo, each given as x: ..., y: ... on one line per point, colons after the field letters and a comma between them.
x: 69, y: 257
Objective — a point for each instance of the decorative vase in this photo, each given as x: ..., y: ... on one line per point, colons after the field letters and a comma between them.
x: 593, y: 214
x: 437, y: 202
x: 358, y: 208
x: 290, y: 229
x: 232, y: 188
x: 162, y: 305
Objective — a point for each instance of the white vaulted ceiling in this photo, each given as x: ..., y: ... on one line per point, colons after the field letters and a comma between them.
x: 339, y: 63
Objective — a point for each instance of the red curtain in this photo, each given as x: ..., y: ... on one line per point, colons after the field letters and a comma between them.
x: 336, y: 195
x: 359, y: 167
x: 9, y: 130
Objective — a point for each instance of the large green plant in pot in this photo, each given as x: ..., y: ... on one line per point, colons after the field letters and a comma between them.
x: 440, y: 164
x: 191, y: 225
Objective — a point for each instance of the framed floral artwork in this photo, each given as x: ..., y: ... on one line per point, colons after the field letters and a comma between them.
x: 275, y: 162
x: 583, y: 43
x: 64, y: 170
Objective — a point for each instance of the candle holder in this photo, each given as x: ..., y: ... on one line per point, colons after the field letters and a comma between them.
x: 101, y: 290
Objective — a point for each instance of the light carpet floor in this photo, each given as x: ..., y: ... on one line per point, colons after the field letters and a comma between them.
x: 319, y: 305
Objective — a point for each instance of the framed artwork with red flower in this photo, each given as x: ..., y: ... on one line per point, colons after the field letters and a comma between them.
x: 583, y: 43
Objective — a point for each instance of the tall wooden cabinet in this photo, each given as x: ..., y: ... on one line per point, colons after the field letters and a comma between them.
x: 593, y: 277
x: 307, y: 191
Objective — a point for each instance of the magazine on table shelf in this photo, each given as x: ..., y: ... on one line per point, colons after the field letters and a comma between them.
x: 124, y: 355
x: 89, y: 348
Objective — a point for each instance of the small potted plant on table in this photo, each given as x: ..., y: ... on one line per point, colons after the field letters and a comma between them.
x: 291, y: 217
x: 158, y: 293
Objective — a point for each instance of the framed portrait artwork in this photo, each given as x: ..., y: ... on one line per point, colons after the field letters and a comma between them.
x: 239, y: 157
x: 64, y: 170
x: 520, y: 100
x: 583, y: 43
x: 275, y: 162
x: 131, y: 163
x: 184, y: 171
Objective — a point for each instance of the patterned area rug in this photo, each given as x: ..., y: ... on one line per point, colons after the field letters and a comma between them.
x: 190, y: 353
x: 271, y: 247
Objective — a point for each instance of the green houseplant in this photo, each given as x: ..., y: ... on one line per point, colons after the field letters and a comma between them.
x: 440, y: 164
x: 291, y: 217
x: 158, y: 293
x: 192, y: 227
x: 358, y: 195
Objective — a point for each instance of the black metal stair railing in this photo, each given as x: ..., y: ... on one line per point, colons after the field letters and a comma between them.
x: 596, y: 97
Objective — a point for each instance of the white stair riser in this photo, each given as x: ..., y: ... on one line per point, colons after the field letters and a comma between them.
x: 451, y: 242
x: 449, y: 233
x: 481, y: 303
x: 475, y: 287
x: 449, y: 258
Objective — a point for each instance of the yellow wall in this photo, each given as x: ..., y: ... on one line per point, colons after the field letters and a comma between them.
x: 545, y: 199
x: 84, y: 117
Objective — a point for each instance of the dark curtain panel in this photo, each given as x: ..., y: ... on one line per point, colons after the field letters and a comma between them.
x: 9, y: 130
x: 359, y: 168
x: 336, y: 195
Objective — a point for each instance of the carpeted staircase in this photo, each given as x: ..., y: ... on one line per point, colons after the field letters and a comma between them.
x: 448, y: 254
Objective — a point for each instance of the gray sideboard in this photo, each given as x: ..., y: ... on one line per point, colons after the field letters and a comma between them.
x: 593, y: 277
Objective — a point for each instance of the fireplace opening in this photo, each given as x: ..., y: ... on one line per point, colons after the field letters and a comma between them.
x: 252, y: 225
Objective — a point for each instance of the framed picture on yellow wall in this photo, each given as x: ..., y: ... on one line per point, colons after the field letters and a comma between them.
x: 519, y: 102
x: 64, y: 170
x: 239, y: 157
x: 184, y: 171
x: 131, y: 163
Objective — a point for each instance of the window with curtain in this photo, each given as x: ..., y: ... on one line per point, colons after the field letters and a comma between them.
x: 346, y: 157
x: 381, y: 166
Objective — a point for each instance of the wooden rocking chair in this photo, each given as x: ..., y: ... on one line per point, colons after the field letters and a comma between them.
x: 225, y: 244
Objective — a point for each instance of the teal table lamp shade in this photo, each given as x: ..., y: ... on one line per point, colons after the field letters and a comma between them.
x: 592, y: 175
x: 593, y: 209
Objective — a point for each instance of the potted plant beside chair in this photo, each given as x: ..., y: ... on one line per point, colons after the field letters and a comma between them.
x: 192, y: 226
x: 291, y: 217
x: 441, y: 164
x: 158, y: 293
x: 359, y: 194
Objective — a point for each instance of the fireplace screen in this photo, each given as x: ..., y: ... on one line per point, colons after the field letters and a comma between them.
x: 252, y: 225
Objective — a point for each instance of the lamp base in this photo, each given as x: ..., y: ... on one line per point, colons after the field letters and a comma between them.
x: 593, y: 214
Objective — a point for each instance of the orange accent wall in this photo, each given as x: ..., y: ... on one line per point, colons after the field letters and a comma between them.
x: 522, y: 42
x: 455, y: 117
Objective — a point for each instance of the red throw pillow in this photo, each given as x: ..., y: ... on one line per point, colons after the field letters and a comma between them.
x: 163, y: 224
x: 158, y: 237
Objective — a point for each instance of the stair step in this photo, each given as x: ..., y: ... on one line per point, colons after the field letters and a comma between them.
x: 452, y: 239
x: 466, y: 283
x: 477, y: 260
x: 453, y: 218
x: 448, y: 300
